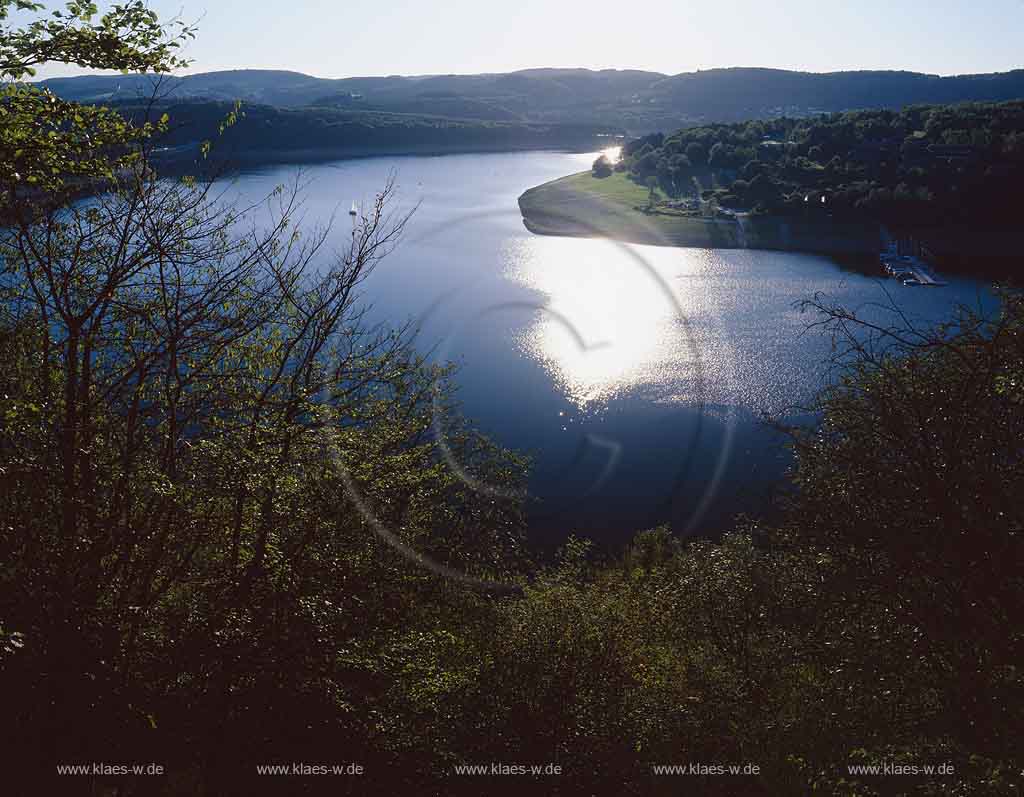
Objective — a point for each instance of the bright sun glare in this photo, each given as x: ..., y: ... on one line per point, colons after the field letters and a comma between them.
x: 613, y: 154
x: 605, y: 323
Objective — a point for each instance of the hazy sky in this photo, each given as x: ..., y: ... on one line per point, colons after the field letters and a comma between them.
x: 335, y: 39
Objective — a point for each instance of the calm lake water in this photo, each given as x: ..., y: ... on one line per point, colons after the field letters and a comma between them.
x: 635, y: 376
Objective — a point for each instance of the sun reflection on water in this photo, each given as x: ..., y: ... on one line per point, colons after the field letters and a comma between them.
x: 608, y: 324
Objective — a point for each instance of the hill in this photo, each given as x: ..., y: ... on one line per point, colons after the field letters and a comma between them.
x: 265, y: 133
x: 740, y: 94
x: 924, y: 165
x: 637, y: 100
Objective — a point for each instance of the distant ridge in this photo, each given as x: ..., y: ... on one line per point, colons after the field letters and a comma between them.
x: 632, y: 99
x: 741, y: 93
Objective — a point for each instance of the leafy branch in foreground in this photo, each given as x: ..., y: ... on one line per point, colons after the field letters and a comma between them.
x: 51, y: 149
x: 129, y: 37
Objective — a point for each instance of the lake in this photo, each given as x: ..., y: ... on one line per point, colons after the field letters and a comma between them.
x: 635, y: 376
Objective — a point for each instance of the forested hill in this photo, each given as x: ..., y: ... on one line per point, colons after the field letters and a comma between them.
x: 739, y: 94
x: 264, y: 133
x: 921, y: 166
x: 637, y: 100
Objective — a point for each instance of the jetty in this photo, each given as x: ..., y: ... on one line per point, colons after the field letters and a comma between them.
x: 907, y: 263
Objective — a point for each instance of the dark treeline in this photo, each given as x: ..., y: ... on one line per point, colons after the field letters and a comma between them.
x: 920, y: 166
x: 735, y: 94
x: 638, y: 100
x: 266, y: 133
x: 230, y: 537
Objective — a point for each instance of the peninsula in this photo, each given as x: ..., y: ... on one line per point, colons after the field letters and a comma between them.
x: 836, y: 183
x: 616, y: 207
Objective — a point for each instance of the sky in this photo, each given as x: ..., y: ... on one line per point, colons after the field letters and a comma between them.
x: 414, y: 37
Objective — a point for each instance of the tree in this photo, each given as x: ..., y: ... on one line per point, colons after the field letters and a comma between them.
x: 49, y: 147
x: 933, y: 405
x: 128, y: 37
x: 49, y: 150
x: 211, y: 466
x: 915, y: 466
x: 652, y: 191
x: 720, y: 156
x: 696, y: 153
x: 602, y: 167
x: 166, y: 491
x: 672, y: 171
x: 646, y: 164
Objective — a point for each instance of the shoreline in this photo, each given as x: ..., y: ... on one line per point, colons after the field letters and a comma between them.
x: 571, y: 207
x: 183, y: 156
x: 561, y: 208
x: 774, y: 233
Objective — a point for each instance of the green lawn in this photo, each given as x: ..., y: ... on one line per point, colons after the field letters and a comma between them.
x: 617, y: 187
x: 615, y: 207
x: 612, y: 207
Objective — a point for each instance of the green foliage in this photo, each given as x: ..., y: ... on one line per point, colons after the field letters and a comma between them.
x: 602, y: 167
x: 48, y: 146
x: 298, y: 133
x: 652, y: 191
x: 942, y: 406
x: 128, y: 37
x: 924, y: 165
x: 201, y: 442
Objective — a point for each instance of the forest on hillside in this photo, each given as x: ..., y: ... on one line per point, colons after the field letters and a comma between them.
x: 637, y: 100
x: 919, y: 166
x: 264, y: 133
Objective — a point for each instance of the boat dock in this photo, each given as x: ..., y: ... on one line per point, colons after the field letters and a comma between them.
x: 910, y: 269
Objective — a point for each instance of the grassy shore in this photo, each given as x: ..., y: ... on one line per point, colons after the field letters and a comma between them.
x: 609, y: 207
x: 617, y: 187
x: 616, y: 207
